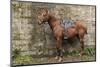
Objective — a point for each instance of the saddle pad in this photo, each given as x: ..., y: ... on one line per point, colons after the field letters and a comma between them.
x: 67, y: 24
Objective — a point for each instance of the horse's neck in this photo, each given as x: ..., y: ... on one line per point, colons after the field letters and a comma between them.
x: 52, y: 21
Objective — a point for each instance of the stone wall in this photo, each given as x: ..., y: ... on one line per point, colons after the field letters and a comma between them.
x: 31, y: 38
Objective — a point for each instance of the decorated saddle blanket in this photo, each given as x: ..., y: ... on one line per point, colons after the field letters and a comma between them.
x: 65, y: 23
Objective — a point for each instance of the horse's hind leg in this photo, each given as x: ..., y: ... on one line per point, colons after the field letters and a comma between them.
x: 81, y: 36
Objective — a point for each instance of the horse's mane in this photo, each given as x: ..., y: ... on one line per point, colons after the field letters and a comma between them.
x: 53, y: 14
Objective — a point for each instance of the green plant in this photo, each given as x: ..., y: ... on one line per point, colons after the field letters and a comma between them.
x: 15, y: 53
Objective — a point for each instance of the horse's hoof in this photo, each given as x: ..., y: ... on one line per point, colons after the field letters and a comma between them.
x: 80, y: 55
x: 60, y: 60
x: 56, y: 57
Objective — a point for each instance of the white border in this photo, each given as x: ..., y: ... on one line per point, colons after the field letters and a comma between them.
x: 5, y: 33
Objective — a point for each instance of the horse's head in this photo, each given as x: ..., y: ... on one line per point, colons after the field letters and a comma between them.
x: 43, y: 16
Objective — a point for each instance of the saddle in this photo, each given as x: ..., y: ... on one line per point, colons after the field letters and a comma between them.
x: 66, y: 24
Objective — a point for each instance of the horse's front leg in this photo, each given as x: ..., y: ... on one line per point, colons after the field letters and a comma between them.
x: 59, y: 50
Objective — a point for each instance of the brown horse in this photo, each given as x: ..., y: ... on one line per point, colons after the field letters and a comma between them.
x: 58, y: 31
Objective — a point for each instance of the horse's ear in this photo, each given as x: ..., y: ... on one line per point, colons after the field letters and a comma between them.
x: 47, y: 11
